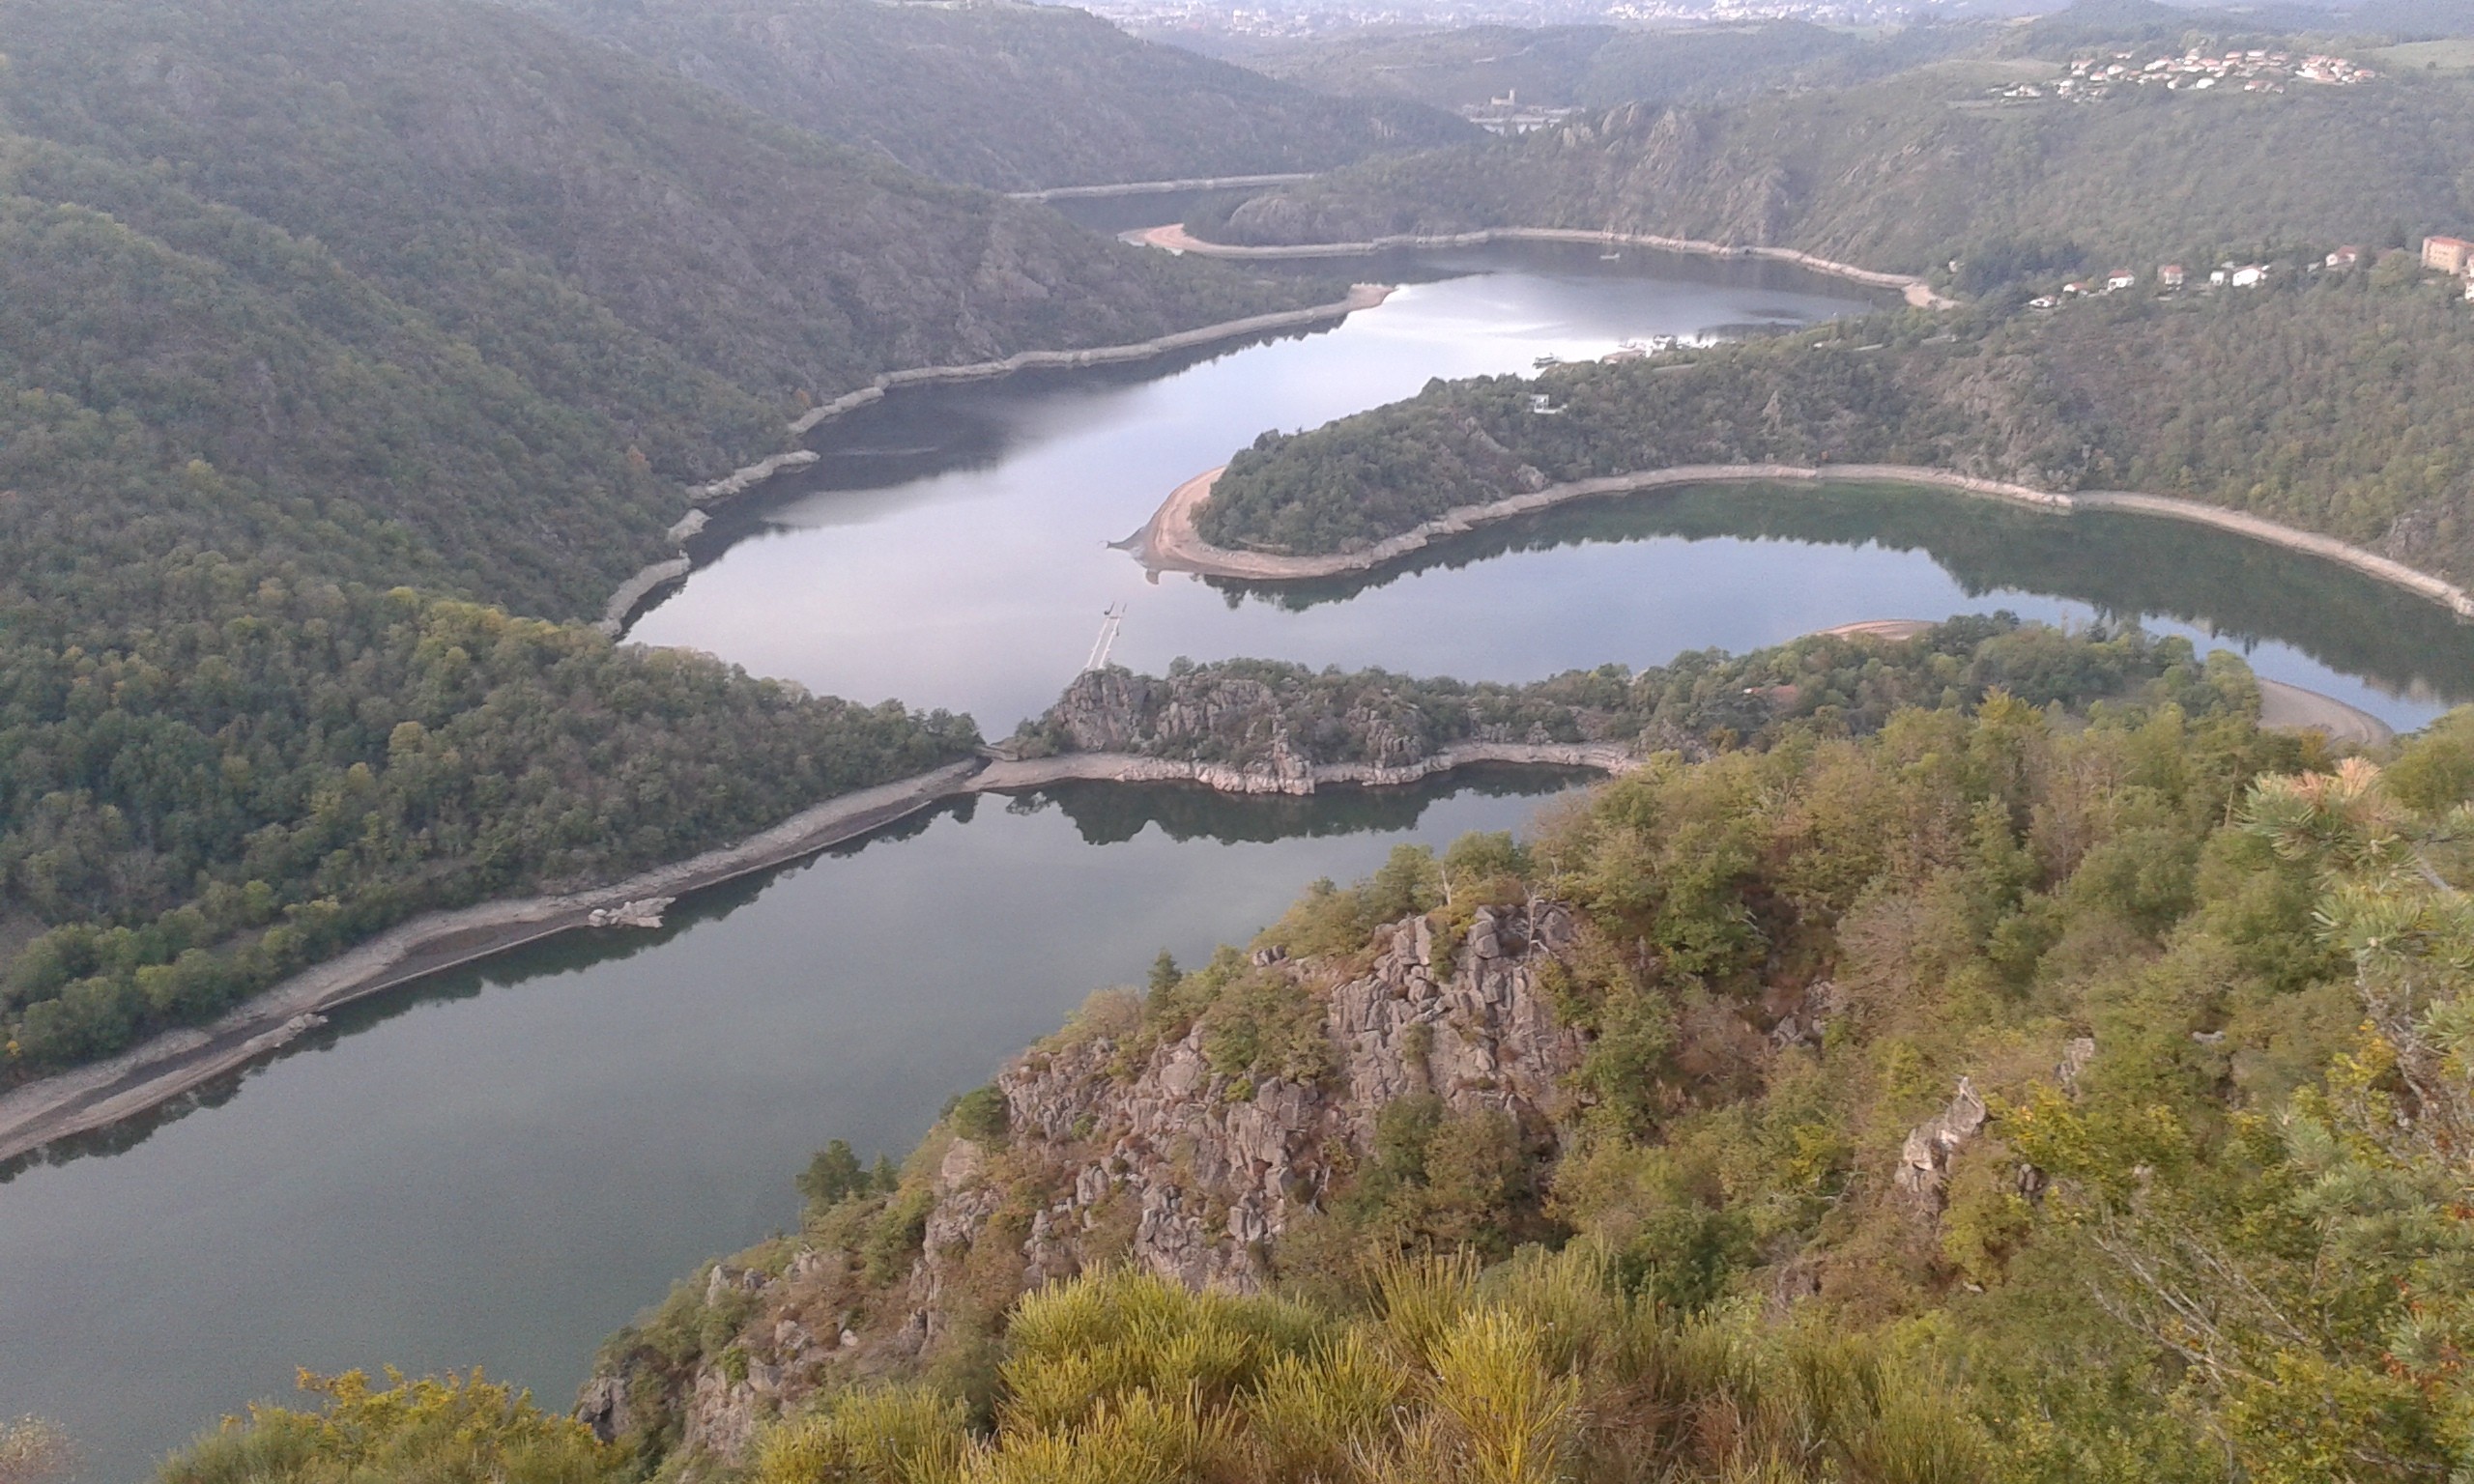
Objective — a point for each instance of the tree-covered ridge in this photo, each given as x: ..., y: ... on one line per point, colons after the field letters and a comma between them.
x: 1908, y: 173
x: 2003, y: 1095
x: 1241, y: 713
x: 269, y: 765
x: 2318, y: 401
x: 600, y: 227
x: 1008, y: 97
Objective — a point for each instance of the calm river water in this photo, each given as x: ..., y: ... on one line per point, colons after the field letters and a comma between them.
x: 502, y: 1168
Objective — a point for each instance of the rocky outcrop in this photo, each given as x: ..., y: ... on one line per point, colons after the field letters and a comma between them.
x: 1924, y: 1160
x: 1114, y: 1149
x: 1213, y: 1166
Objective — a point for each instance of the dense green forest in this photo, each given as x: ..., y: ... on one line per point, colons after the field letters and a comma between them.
x: 1997, y: 1093
x: 2322, y: 400
x: 1009, y: 97
x: 1912, y: 171
x: 1238, y: 712
x: 322, y: 326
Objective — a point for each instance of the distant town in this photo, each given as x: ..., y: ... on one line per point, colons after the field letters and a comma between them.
x: 2090, y: 78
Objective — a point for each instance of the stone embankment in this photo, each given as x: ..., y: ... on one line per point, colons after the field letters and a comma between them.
x: 1157, y: 187
x: 1170, y: 543
x: 1915, y: 291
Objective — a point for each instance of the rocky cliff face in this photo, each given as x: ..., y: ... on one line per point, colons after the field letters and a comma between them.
x: 1158, y: 1159
x: 1215, y: 1166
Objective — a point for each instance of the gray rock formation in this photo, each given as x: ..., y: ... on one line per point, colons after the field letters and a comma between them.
x: 1191, y: 1172
x: 1924, y: 1161
x: 1215, y: 1166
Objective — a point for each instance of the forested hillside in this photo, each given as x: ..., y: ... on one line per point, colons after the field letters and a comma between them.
x: 322, y: 324
x: 2318, y: 401
x: 1909, y: 173
x: 616, y: 236
x: 1600, y: 67
x: 1978, y: 1092
x: 1007, y: 96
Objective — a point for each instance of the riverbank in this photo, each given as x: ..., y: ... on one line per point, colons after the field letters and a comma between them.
x: 146, y: 1077
x: 1170, y: 542
x: 1361, y: 296
x: 176, y: 1061
x: 1915, y: 291
x: 2286, y: 707
x: 624, y: 600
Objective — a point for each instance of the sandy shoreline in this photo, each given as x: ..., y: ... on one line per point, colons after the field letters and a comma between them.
x: 1170, y: 542
x: 1915, y: 291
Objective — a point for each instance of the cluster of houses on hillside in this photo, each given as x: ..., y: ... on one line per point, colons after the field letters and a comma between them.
x: 2450, y: 255
x: 2243, y: 71
x: 2171, y: 278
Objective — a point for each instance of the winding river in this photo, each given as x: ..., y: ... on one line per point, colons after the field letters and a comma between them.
x: 502, y: 1166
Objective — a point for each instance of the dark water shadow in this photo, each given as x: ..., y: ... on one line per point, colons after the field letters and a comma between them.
x: 2123, y: 565
x: 1111, y: 813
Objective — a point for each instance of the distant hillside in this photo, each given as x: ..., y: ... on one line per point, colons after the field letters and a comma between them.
x: 1009, y: 97
x: 1601, y: 66
x: 1912, y: 171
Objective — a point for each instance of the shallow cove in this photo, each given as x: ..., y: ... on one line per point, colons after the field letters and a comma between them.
x: 505, y: 1166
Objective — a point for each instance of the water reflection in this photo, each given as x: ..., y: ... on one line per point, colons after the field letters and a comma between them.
x: 2121, y: 566
x: 1111, y: 813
